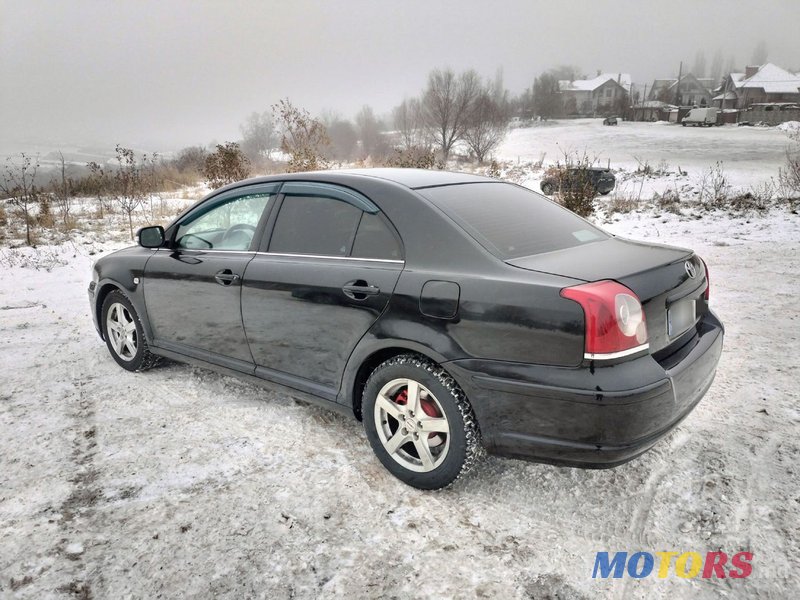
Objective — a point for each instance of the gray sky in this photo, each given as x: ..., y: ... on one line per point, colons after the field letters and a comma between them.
x: 164, y: 74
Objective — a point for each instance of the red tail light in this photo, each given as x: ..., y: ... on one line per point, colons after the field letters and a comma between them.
x: 615, y: 324
x: 707, y: 293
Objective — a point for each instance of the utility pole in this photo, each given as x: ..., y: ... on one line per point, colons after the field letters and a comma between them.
x: 678, y: 86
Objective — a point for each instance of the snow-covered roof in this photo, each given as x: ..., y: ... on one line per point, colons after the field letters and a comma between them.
x: 725, y: 96
x: 589, y: 85
x: 771, y: 78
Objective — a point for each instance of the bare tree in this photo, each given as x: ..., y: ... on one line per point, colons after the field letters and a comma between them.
x: 98, y: 184
x: 487, y: 123
x: 760, y: 53
x: 446, y: 103
x: 546, y: 95
x: 127, y: 184
x: 303, y: 137
x: 61, y: 192
x: 369, y: 131
x: 409, y: 121
x: 225, y: 165
x: 259, y: 136
x: 715, y: 71
x: 18, y: 185
x: 699, y: 65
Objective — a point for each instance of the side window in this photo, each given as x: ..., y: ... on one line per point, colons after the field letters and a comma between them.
x: 227, y: 226
x: 309, y: 224
x: 374, y: 239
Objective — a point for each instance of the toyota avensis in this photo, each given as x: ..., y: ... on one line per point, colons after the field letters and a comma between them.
x: 448, y: 312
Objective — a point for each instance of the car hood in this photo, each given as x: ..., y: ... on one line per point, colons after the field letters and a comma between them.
x: 613, y: 258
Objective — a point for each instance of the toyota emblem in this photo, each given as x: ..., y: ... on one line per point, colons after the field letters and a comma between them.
x: 690, y: 270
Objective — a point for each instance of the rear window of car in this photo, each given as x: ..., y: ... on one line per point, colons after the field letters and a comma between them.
x: 510, y: 221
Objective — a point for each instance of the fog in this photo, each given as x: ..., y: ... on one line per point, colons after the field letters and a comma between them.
x: 161, y: 75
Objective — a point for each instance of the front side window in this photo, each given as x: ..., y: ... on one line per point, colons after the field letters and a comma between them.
x: 310, y: 224
x: 230, y: 225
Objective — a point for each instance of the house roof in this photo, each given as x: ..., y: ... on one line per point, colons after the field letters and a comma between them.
x: 589, y: 85
x: 771, y: 78
x: 725, y: 96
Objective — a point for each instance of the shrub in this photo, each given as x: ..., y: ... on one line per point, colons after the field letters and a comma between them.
x: 226, y: 165
x: 414, y: 157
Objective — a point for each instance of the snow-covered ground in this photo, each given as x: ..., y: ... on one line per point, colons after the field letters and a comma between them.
x: 748, y: 154
x: 179, y: 482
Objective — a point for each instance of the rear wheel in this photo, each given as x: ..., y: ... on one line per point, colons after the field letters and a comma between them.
x: 124, y: 334
x: 419, y: 422
x: 547, y: 189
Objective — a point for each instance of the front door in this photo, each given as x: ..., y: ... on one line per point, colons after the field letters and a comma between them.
x: 192, y: 290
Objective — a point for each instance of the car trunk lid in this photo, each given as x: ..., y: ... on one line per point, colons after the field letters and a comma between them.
x: 658, y: 275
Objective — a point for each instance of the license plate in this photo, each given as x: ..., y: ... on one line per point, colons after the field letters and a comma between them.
x: 680, y: 316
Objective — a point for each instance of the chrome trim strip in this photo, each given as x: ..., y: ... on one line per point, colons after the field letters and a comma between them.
x: 204, y: 250
x: 610, y: 355
x: 381, y: 260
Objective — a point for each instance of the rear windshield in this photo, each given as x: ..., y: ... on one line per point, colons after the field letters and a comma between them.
x: 510, y: 221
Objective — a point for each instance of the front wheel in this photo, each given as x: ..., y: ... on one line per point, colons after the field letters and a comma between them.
x: 419, y: 422
x: 547, y: 189
x: 124, y: 334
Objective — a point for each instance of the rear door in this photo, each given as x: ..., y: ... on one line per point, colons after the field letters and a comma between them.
x: 319, y: 282
x: 192, y: 290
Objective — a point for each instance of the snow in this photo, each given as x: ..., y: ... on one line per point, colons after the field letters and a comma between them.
x: 748, y: 154
x: 179, y: 482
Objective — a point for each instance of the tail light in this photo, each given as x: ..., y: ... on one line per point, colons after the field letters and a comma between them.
x: 615, y: 324
x: 707, y: 293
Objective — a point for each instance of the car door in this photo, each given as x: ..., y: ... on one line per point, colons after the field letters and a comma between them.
x: 192, y: 289
x: 323, y: 277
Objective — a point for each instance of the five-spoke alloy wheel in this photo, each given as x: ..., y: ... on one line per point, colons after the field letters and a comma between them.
x: 124, y: 334
x: 419, y: 422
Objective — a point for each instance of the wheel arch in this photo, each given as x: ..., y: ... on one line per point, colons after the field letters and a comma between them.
x: 359, y: 369
x: 104, y: 288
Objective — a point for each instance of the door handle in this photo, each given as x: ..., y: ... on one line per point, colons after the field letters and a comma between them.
x: 360, y: 290
x: 226, y: 277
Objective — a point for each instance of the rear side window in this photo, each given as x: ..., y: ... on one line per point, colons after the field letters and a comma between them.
x: 510, y: 221
x: 374, y: 239
x: 314, y: 225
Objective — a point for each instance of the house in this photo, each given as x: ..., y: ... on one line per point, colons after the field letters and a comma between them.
x: 605, y: 94
x: 758, y: 85
x: 689, y: 91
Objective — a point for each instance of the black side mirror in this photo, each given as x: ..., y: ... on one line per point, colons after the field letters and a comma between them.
x: 151, y: 237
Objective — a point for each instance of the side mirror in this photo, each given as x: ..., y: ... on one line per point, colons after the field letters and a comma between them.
x: 151, y: 237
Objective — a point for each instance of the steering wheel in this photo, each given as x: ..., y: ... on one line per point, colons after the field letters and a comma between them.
x: 240, y: 230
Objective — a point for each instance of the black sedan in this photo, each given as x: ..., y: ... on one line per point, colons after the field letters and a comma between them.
x: 450, y: 313
x: 589, y: 180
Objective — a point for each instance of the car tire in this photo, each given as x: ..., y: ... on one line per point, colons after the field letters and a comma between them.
x: 606, y: 193
x: 419, y: 422
x: 124, y: 334
x: 547, y: 189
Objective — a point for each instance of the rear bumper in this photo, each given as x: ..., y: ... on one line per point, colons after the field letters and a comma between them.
x: 593, y: 416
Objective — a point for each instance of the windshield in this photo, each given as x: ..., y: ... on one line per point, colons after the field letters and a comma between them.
x: 511, y: 221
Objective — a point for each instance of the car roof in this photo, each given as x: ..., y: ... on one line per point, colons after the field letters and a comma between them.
x: 410, y: 178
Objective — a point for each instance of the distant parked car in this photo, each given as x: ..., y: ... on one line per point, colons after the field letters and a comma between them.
x: 702, y: 117
x: 598, y: 179
x: 610, y: 121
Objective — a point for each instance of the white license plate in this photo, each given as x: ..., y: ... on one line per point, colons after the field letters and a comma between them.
x: 680, y: 316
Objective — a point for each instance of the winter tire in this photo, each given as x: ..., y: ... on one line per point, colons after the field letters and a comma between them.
x: 419, y: 422
x: 124, y: 334
x: 547, y: 189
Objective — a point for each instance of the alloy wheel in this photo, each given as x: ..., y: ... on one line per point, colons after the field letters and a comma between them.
x: 121, y: 329
x: 412, y: 425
